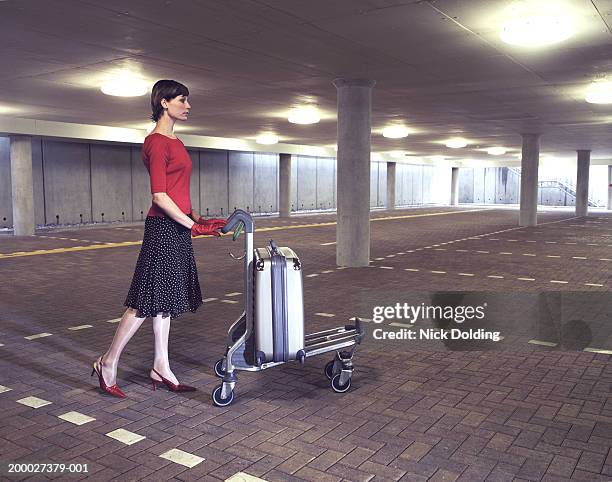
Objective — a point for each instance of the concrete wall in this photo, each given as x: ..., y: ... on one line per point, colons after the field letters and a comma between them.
x: 326, y: 183
x: 6, y: 204
x: 265, y: 172
x: 214, y: 193
x: 111, y: 182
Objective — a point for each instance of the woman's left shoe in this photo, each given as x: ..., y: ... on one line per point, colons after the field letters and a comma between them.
x: 173, y: 387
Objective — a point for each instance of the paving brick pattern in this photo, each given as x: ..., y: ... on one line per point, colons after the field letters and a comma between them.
x: 416, y: 411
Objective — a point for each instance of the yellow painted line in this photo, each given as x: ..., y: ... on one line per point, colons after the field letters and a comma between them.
x: 598, y: 350
x: 114, y: 320
x: 542, y: 343
x: 80, y: 327
x: 231, y: 302
x: 325, y: 315
x: 466, y: 274
x: 326, y: 244
x: 40, y: 335
x: 234, y: 293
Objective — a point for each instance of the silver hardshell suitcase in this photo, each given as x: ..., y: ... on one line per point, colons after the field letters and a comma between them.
x: 278, y: 305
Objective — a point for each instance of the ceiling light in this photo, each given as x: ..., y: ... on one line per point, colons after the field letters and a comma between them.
x: 125, y: 84
x: 496, y: 151
x: 537, y: 31
x: 395, y: 132
x: 599, y: 92
x: 267, y: 139
x: 456, y: 143
x: 307, y: 114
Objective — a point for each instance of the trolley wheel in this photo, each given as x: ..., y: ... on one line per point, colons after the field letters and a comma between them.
x: 329, y: 370
x: 222, y: 402
x: 335, y: 384
x: 219, y: 371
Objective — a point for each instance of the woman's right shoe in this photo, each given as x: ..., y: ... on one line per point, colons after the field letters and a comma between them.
x: 115, y: 391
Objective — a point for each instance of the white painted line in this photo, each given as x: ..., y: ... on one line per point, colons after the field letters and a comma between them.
x: 76, y: 418
x: 386, y: 267
x: 399, y: 254
x: 542, y: 343
x: 605, y: 259
x: 325, y: 315
x: 1, y: 344
x: 234, y: 293
x: 552, y: 256
x: 403, y: 325
x: 483, y: 252
x: 526, y: 279
x: 410, y: 269
x: 328, y: 244
x: 341, y: 267
x: 532, y: 241
x: 390, y: 256
x: 244, y: 477
x: 466, y: 274
x: 125, y: 436
x: 570, y: 243
x: 512, y: 240
x: 231, y: 302
x: 362, y: 319
x: 410, y: 251
x: 312, y: 275
x: 208, y: 300
x: 505, y: 253
x: 598, y: 350
x: 593, y: 284
x: 40, y: 335
x: 558, y: 282
x: 495, y: 276
x: 493, y: 239
x: 592, y: 244
x: 427, y: 247
x: 327, y: 271
x: 80, y: 327
x: 33, y: 402
x: 4, y: 389
x: 438, y: 272
x: 550, y: 242
x: 461, y: 250
x: 528, y: 254
x: 440, y: 249
x: 579, y: 257
x: 182, y: 458
x: 378, y: 259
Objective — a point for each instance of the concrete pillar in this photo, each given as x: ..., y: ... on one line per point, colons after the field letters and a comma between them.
x: 582, y: 182
x: 530, y: 160
x: 353, y: 180
x: 609, y: 187
x: 455, y: 186
x: 22, y: 186
x: 284, y: 186
x: 391, y: 185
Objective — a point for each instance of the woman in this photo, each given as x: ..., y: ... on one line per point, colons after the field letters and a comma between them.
x: 165, y: 282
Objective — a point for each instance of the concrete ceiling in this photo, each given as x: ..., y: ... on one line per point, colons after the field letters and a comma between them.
x: 439, y: 66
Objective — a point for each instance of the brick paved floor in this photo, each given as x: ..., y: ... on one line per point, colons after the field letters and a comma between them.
x: 533, y: 406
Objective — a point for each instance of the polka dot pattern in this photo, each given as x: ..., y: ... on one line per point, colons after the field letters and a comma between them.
x: 166, y: 278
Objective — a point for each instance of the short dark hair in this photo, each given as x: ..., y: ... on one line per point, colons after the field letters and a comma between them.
x: 165, y: 89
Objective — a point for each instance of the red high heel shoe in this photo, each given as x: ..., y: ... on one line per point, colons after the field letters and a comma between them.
x: 115, y: 391
x: 171, y: 386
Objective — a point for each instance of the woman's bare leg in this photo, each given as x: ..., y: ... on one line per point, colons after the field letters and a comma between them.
x: 161, y: 329
x: 128, y: 325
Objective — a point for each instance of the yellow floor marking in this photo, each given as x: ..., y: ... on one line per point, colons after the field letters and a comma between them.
x: 325, y: 315
x: 552, y: 256
x: 328, y: 244
x: 40, y: 335
x: 208, y: 300
x: 593, y: 284
x: 231, y: 302
x: 76, y: 418
x: 410, y: 269
x: 495, y: 276
x: 466, y: 274
x: 244, y: 477
x: 125, y: 436
x: 526, y: 279
x: 182, y: 458
x: 542, y: 343
x: 233, y: 293
x: 115, y: 320
x: 598, y: 350
x: 34, y: 402
x: 4, y: 389
x: 80, y: 327
x: 438, y: 272
x: 558, y: 282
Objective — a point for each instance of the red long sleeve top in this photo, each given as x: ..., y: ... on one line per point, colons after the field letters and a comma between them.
x: 169, y: 167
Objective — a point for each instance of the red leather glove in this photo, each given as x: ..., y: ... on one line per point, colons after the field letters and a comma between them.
x: 205, y: 229
x: 216, y: 222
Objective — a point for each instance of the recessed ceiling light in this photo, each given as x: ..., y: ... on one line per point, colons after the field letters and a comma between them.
x: 395, y: 132
x: 537, y: 31
x: 496, y: 151
x: 125, y: 84
x: 267, y: 139
x: 307, y: 114
x: 599, y: 92
x: 456, y: 143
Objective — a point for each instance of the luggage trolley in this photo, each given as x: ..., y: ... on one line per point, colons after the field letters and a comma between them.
x: 240, y: 353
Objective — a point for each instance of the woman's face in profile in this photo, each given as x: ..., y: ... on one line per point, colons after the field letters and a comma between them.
x: 178, y: 107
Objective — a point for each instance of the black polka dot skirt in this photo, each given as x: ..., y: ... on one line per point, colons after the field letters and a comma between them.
x: 166, y: 278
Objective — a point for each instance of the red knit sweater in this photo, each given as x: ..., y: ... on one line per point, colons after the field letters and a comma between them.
x: 169, y: 167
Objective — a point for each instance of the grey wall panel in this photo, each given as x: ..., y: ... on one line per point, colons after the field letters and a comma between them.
x: 67, y: 182
x: 325, y: 183
x: 490, y: 184
x: 466, y: 185
x: 417, y: 185
x: 141, y: 186
x: 479, y: 185
x: 403, y: 187
x: 194, y: 180
x: 38, y: 181
x: 6, y: 196
x: 294, y: 183
x: 111, y: 185
x: 240, y: 181
x: 307, y: 182
x: 214, y: 196
x: 335, y: 185
x: 427, y: 184
x: 266, y: 184
x: 373, y: 183
x: 382, y: 184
